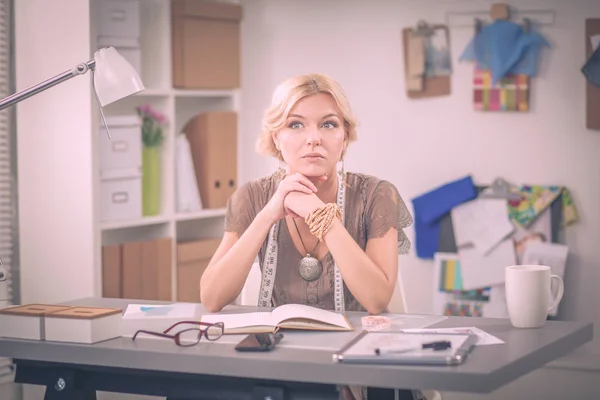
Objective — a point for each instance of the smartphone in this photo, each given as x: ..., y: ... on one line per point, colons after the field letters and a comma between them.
x: 259, y: 342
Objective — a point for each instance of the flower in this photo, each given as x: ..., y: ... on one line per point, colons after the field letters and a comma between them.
x: 153, y: 122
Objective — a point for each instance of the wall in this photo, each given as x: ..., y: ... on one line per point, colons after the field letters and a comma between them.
x: 359, y: 43
x: 54, y: 148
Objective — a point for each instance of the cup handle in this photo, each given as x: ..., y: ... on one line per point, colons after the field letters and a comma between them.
x: 561, y: 290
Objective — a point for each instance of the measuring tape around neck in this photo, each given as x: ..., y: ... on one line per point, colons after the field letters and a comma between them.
x: 270, y: 261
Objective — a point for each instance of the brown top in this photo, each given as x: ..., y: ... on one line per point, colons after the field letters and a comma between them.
x: 84, y: 313
x: 33, y: 310
x: 372, y: 207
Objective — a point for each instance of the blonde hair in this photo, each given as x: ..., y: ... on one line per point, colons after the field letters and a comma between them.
x: 287, y: 94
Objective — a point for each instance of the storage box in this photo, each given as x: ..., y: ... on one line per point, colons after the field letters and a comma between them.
x: 213, y: 143
x: 112, y: 271
x: 205, y: 44
x: 128, y: 47
x: 192, y: 259
x: 83, y: 324
x: 26, y: 321
x: 146, y: 269
x: 119, y: 18
x: 124, y: 148
x: 121, y: 193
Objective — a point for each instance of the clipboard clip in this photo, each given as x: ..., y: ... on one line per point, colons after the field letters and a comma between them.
x: 500, y: 189
x: 423, y: 29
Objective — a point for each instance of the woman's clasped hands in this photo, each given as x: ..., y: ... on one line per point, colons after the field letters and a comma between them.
x: 295, y: 196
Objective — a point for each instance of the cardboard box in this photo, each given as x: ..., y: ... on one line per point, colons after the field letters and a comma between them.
x: 26, y: 321
x: 83, y: 324
x: 213, y: 143
x: 192, y: 259
x: 146, y: 269
x: 112, y: 271
x: 205, y: 44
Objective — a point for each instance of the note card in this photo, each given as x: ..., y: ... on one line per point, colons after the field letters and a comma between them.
x: 482, y: 223
x: 480, y: 270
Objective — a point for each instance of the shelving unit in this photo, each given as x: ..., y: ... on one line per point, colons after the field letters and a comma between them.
x: 178, y: 105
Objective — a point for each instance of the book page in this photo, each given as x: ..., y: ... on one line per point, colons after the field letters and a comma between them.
x: 289, y: 311
x: 242, y: 320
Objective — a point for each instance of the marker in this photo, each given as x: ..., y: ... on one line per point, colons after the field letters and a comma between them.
x: 435, y: 346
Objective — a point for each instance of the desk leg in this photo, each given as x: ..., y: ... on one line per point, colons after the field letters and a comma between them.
x: 61, y: 384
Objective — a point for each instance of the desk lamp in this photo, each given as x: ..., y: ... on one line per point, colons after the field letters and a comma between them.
x: 113, y: 79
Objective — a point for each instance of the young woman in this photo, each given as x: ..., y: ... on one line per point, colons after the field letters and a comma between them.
x: 324, y: 238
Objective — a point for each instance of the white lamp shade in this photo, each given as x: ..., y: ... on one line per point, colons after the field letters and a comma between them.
x: 114, y: 77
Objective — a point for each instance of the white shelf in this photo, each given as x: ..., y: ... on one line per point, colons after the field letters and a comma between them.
x: 214, y: 94
x: 208, y: 213
x: 178, y: 106
x: 203, y: 93
x: 127, y: 223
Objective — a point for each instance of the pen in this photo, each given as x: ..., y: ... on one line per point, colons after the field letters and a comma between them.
x: 435, y: 346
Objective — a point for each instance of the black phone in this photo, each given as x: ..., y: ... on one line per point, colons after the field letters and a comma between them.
x: 259, y: 342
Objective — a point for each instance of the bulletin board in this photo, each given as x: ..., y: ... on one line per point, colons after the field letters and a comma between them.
x: 592, y: 27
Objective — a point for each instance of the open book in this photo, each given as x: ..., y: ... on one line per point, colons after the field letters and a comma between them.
x: 288, y: 316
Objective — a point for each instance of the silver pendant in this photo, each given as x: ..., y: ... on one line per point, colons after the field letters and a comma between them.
x: 310, y: 268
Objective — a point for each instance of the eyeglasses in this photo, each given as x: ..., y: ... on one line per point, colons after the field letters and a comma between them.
x: 190, y: 336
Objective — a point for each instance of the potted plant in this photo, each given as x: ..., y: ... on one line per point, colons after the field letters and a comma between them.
x: 153, y: 123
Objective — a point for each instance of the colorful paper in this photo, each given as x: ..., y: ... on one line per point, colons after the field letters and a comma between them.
x: 535, y: 199
x: 511, y: 93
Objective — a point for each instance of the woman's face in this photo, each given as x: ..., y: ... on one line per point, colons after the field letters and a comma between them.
x: 313, y: 137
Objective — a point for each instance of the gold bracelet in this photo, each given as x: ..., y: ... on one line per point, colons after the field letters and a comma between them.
x: 320, y: 220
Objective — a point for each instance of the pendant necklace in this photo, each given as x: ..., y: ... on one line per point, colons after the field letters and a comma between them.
x: 309, y: 267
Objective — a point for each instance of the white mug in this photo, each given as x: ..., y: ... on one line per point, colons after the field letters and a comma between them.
x: 529, y: 294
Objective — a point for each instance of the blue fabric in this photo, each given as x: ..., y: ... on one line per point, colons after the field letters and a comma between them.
x: 504, y: 47
x: 431, y: 207
x: 591, y: 69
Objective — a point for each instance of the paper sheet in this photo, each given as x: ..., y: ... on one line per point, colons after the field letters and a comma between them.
x: 160, y: 311
x: 539, y: 231
x: 553, y: 255
x: 481, y: 222
x: 485, y: 339
x: 449, y: 298
x: 486, y: 270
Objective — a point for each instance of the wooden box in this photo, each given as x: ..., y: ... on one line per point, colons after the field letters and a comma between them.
x: 192, y: 259
x: 83, y: 324
x: 213, y: 143
x: 26, y: 321
x: 205, y: 41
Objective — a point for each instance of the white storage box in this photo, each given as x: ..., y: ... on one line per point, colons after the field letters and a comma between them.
x: 26, y: 321
x: 128, y: 47
x: 124, y: 148
x: 83, y: 325
x: 119, y: 18
x: 121, y: 194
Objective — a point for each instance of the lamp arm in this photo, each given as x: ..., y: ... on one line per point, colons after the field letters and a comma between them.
x: 80, y: 69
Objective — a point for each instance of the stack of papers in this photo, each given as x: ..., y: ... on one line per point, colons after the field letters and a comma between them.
x: 157, y: 317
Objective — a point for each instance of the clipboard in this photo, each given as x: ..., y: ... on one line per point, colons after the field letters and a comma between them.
x: 362, y: 349
x: 592, y: 93
x: 433, y: 86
